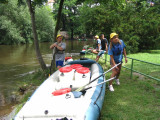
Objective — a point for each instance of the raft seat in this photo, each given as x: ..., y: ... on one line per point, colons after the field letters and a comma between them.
x: 73, y: 78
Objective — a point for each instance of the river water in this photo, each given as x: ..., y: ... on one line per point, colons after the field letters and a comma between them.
x: 16, y: 61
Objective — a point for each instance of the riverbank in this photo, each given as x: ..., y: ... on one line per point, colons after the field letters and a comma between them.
x: 25, y: 89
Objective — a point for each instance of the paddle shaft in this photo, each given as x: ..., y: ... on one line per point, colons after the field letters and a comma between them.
x: 98, y: 84
x: 79, y: 89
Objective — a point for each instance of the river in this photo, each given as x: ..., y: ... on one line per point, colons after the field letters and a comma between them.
x: 16, y: 61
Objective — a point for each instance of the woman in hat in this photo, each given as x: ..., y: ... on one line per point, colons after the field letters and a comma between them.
x: 59, y: 51
x: 116, y: 51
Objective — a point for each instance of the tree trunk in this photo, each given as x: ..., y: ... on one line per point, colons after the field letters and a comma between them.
x: 36, y: 43
x: 71, y: 35
x: 58, y: 20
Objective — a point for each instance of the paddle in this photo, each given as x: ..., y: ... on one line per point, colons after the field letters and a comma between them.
x: 98, y: 84
x: 78, y: 94
x: 67, y: 90
x: 81, y: 88
x: 54, y: 51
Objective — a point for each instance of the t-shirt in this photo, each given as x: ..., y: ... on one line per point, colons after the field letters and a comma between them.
x: 98, y: 42
x: 103, y: 43
x: 117, y: 51
x: 60, y: 56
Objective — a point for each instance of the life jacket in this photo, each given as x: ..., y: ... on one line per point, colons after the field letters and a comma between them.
x: 117, y: 49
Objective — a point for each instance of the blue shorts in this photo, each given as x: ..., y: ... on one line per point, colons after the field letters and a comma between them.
x: 59, y: 63
x: 101, y: 53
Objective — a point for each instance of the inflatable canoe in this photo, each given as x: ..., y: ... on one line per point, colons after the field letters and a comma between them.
x: 44, y: 105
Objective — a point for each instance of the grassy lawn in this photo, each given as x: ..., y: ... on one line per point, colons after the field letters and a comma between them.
x: 137, y: 98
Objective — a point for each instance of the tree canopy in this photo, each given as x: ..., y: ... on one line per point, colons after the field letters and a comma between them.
x: 15, y: 23
x: 136, y: 21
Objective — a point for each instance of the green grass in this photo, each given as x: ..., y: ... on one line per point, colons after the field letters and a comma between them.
x: 133, y: 99
x: 137, y: 98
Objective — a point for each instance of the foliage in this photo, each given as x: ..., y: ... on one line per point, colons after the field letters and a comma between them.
x: 15, y: 24
x: 136, y: 22
x: 10, y: 23
x: 69, y: 20
x: 45, y: 24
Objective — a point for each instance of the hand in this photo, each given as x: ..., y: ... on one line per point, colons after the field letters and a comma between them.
x: 106, y: 52
x: 53, y: 45
x: 126, y: 60
x: 117, y: 69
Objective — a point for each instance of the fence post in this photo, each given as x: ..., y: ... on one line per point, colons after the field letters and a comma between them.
x: 131, y: 68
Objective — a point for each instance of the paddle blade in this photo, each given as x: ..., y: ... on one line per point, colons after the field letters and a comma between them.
x: 77, y: 94
x: 61, y: 91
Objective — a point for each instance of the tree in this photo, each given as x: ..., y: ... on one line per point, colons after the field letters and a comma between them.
x: 36, y: 43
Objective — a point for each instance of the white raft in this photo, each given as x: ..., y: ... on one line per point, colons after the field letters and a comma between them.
x: 43, y: 105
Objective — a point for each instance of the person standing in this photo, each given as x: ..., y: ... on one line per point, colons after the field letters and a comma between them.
x: 104, y: 49
x: 98, y: 45
x: 116, y: 51
x: 59, y: 51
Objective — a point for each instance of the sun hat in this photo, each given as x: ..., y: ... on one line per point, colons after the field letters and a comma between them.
x: 96, y: 36
x: 112, y: 35
x: 59, y: 36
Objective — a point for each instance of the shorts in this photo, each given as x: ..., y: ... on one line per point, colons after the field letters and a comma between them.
x: 101, y: 53
x: 59, y: 63
x: 115, y: 62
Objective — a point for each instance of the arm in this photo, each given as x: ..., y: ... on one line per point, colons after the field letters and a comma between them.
x: 52, y: 46
x: 125, y: 55
x: 112, y: 60
x: 99, y: 47
x: 59, y: 47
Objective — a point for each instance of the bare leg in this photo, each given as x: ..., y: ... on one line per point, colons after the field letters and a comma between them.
x: 97, y: 58
x: 94, y: 51
x: 113, y: 75
x: 115, y: 72
x: 118, y: 72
